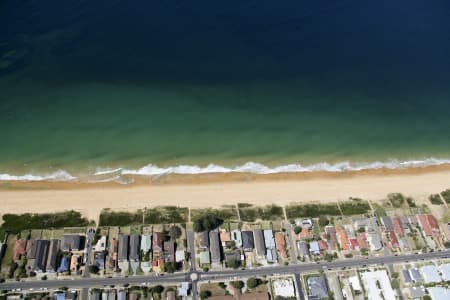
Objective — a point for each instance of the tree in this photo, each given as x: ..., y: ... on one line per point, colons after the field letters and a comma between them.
x: 238, y: 284
x: 253, y: 282
x: 170, y: 267
x: 447, y: 244
x: 323, y: 221
x: 233, y: 264
x: 175, y: 232
x: 297, y: 229
x: 93, y: 269
x: 157, y: 289
x: 427, y: 297
x: 205, y: 294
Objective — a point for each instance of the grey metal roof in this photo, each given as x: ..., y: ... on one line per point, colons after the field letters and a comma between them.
x: 387, y: 222
x: 52, y: 256
x: 317, y: 287
x: 406, y: 276
x: 259, y: 242
x: 72, y: 242
x: 123, y: 247
x: 247, y: 240
x: 134, y: 247
x: 214, y: 246
x: 415, y: 275
x: 203, y: 239
x: 41, y: 255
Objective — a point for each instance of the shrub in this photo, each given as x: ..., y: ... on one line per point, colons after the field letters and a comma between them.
x: 446, y: 195
x: 396, y: 199
x: 238, y: 284
x: 253, y: 282
x: 175, y: 232
x: 93, y: 269
x: 435, y: 199
x: 206, y: 222
x: 205, y: 294
x: 297, y: 229
x: 354, y: 206
x: 323, y: 221
x: 312, y: 210
x: 120, y: 218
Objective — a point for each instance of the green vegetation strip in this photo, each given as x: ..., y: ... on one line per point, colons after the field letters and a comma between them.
x: 312, y: 210
x: 15, y: 223
x: 157, y: 215
x: 248, y: 213
x: 354, y: 206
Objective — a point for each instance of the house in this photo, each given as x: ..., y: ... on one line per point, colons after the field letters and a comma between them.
x: 355, y: 283
x: 40, y: 262
x: 183, y: 289
x: 259, y: 243
x: 99, y: 260
x: 280, y: 243
x: 323, y: 246
x: 233, y: 256
x: 331, y: 237
x: 52, y: 256
x: 353, y: 244
x: 157, y: 265
x: 74, y: 260
x: 170, y: 295
x: 157, y: 243
x: 146, y: 243
x: 64, y: 265
x: 417, y: 292
x: 271, y: 255
x: 112, y: 256
x: 284, y: 287
x: 122, y: 295
x: 398, y: 228
x: 236, y: 236
x: 362, y: 241
x: 134, y: 249
x: 112, y: 295
x: 415, y: 275
x: 31, y: 249
x: 101, y: 244
x: 214, y: 246
x: 314, y: 248
x: 374, y: 241
x: 180, y: 255
x: 406, y: 276
x: 247, y: 241
x: 225, y: 237
x: 60, y: 296
x: 269, y: 241
x: 378, y: 285
x: 423, y: 222
x: 19, y: 249
x: 306, y: 234
x: 169, y: 251
x: 203, y: 240
x: 303, y: 249
x: 387, y: 223
x: 317, y: 288
x: 445, y: 271
x: 430, y: 274
x: 343, y: 238
x: 439, y: 293
x: 122, y: 254
x: 72, y: 242
x: 95, y: 295
x: 204, y: 258
x: 394, y: 241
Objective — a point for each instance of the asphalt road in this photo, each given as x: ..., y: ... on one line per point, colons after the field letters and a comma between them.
x: 221, y: 275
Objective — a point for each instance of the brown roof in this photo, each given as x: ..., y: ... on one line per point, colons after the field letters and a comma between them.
x: 280, y: 243
x: 306, y: 233
x: 19, y: 249
x: 225, y: 236
x: 157, y: 242
x: 169, y: 249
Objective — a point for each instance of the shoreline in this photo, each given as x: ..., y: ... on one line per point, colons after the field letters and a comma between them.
x: 203, y: 191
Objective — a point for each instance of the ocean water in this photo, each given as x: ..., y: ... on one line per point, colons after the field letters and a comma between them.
x: 151, y: 87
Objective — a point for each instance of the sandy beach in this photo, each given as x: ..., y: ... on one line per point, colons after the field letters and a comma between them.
x: 90, y: 199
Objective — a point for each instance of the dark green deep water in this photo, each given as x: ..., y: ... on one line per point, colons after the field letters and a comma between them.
x: 113, y: 84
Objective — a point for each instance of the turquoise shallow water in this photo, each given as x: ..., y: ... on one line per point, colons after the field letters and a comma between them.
x: 93, y: 87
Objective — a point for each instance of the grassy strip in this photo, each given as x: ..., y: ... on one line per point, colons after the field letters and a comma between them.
x: 120, y: 218
x: 226, y: 213
x: 248, y: 213
x: 311, y: 210
x: 166, y: 215
x: 16, y: 223
x: 354, y: 206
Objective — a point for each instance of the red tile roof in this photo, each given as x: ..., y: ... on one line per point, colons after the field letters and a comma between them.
x: 323, y: 245
x: 433, y: 222
x: 343, y: 238
x: 423, y: 220
x: 19, y: 249
x: 394, y: 241
x: 398, y: 227
x: 280, y: 244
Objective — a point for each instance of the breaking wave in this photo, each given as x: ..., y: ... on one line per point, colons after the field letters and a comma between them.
x: 102, y: 175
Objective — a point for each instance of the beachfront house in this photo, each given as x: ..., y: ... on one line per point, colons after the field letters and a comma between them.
x: 247, y: 241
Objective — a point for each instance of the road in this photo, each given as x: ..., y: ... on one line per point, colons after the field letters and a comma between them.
x: 222, y: 275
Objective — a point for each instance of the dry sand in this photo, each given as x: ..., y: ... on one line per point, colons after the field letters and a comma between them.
x: 217, y: 190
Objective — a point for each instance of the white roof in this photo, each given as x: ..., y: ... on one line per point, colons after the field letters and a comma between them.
x: 179, y: 255
x: 370, y: 280
x: 146, y: 243
x: 268, y: 239
x: 100, y: 246
x: 439, y: 293
x: 314, y: 247
x: 445, y: 270
x: 354, y: 281
x: 284, y: 287
x: 430, y: 274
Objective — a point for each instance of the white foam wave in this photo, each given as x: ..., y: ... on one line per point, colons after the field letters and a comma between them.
x: 60, y: 175
x: 249, y: 167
